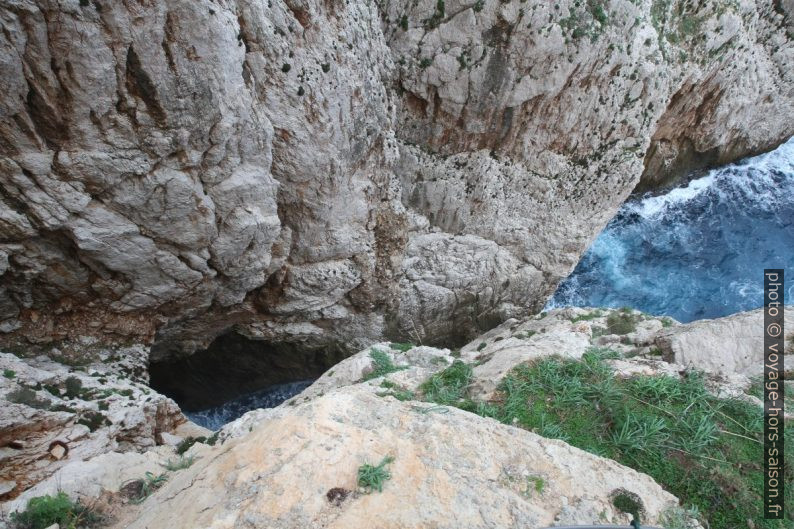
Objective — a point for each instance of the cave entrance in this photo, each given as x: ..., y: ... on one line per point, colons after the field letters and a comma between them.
x: 235, y: 373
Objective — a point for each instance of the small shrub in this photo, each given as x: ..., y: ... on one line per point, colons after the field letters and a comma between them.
x: 326, y: 67
x: 424, y: 63
x: 28, y: 397
x: 187, y: 442
x: 44, y: 511
x: 172, y: 465
x: 93, y: 420
x: 372, y: 478
x: 9, y: 373
x: 286, y: 67
x: 74, y: 387
x: 478, y: 5
x: 404, y: 23
x: 621, y: 323
x: 482, y: 346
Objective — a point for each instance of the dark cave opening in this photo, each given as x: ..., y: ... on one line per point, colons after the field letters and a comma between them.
x: 234, y: 365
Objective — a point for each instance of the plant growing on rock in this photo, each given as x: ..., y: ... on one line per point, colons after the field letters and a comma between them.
x: 372, y: 478
x: 147, y: 485
x: 381, y: 365
x: 172, y: 465
x: 44, y: 511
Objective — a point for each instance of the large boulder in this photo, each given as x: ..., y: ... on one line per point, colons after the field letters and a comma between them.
x: 298, y: 469
x: 733, y: 344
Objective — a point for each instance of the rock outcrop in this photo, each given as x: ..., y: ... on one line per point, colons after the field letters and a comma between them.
x: 53, y: 415
x: 296, y: 465
x: 329, y: 174
x: 734, y: 344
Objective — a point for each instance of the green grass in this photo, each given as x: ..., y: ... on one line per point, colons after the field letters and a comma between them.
x: 705, y: 450
x: 588, y: 316
x: 44, y: 511
x: 396, y: 391
x: 381, y: 365
x: 172, y: 465
x: 402, y: 347
x: 448, y: 386
x: 9, y: 373
x: 372, y: 478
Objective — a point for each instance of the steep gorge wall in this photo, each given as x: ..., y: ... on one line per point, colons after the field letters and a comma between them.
x: 326, y: 174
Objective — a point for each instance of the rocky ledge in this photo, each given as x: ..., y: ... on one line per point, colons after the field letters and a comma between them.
x: 403, y: 435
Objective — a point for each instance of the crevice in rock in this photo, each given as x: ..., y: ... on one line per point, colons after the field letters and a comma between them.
x: 234, y: 365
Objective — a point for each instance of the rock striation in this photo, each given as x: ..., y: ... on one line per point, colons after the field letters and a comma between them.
x: 330, y: 174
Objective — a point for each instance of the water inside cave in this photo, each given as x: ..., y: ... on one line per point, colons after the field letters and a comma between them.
x: 236, y: 374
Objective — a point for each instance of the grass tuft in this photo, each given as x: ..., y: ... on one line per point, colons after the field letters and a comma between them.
x: 172, y: 465
x: 372, y: 478
x: 381, y: 365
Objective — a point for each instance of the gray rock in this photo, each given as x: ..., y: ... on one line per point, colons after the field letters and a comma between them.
x: 336, y: 173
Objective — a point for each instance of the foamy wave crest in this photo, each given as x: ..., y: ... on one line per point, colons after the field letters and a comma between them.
x: 697, y: 251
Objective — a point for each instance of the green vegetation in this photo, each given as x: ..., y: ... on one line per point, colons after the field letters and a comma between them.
x: 44, y: 511
x: 74, y: 387
x: 478, y: 5
x: 9, y: 373
x: 381, y: 365
x: 705, y: 450
x: 148, y: 485
x: 396, y: 391
x: 588, y: 316
x: 448, y: 386
x: 667, y: 322
x: 187, y: 442
x: 621, y: 323
x: 183, y: 462
x: 372, y: 478
x: 286, y: 67
x: 404, y: 22
x: 28, y: 397
x: 93, y: 420
x: 482, y: 346
x: 402, y: 347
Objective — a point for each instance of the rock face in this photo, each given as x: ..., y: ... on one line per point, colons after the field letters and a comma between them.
x: 295, y: 466
x: 53, y: 415
x: 327, y: 174
x: 485, y: 478
x: 734, y: 344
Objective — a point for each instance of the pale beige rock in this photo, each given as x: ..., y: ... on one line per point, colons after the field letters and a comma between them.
x: 278, y: 475
x: 86, y: 480
x: 734, y: 344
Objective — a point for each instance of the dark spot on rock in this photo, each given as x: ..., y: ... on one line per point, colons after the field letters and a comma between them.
x: 337, y: 495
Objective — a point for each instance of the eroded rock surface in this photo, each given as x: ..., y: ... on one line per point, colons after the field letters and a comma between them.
x: 53, y: 415
x: 324, y: 173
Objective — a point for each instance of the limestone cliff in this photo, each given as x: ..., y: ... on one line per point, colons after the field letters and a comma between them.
x: 326, y: 173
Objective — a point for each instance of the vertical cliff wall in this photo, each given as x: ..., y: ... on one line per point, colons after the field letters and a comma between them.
x: 323, y: 173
